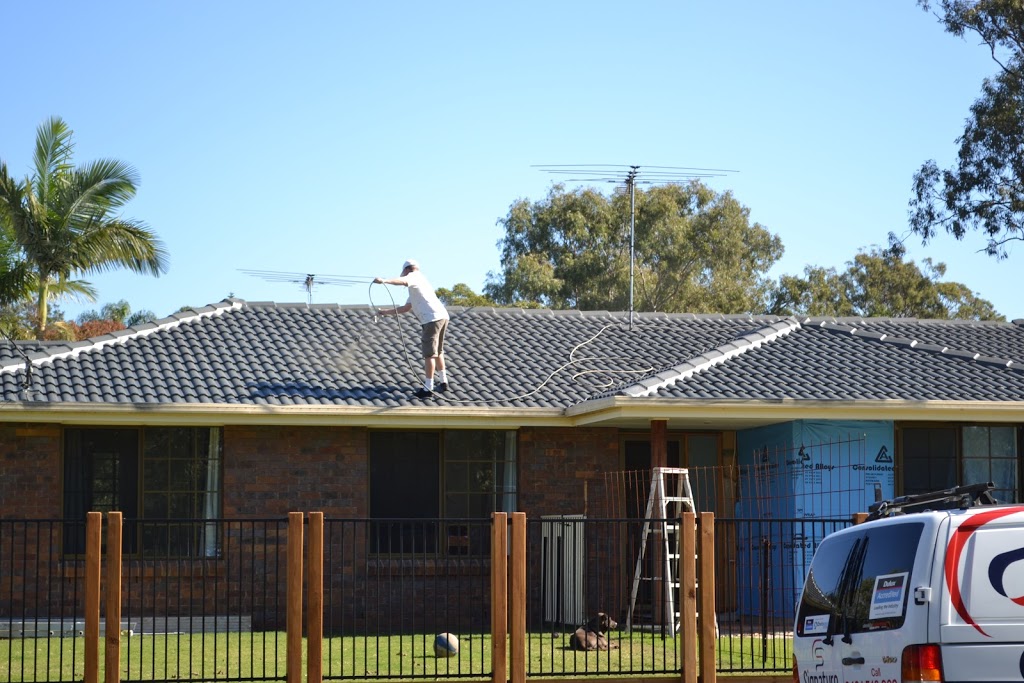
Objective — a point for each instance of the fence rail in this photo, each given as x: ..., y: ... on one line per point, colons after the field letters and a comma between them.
x: 222, y: 600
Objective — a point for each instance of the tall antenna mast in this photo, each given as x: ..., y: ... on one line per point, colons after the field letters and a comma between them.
x: 631, y: 184
x: 630, y: 176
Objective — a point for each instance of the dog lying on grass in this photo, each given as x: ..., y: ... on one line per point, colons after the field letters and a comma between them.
x: 593, y: 634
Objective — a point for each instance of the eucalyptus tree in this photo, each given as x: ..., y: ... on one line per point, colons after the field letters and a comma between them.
x: 984, y: 190
x: 696, y: 250
x: 880, y: 283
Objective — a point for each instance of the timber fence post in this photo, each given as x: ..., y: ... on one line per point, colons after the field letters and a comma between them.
x: 708, y: 618
x: 315, y: 600
x: 517, y: 630
x: 293, y: 612
x: 93, y: 550
x: 688, y: 596
x: 112, y: 656
x: 499, y: 597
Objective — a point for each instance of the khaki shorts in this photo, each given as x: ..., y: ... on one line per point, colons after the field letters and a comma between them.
x: 433, y: 338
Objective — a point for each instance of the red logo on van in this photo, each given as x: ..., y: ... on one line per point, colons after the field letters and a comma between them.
x: 996, y: 568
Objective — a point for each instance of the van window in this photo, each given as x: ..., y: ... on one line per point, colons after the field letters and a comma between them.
x: 860, y: 581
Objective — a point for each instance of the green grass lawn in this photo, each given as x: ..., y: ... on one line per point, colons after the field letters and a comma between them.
x: 263, y: 656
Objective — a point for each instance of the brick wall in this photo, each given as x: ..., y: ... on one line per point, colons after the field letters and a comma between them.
x: 268, y: 472
x: 272, y: 471
x: 30, y: 471
x: 561, y: 469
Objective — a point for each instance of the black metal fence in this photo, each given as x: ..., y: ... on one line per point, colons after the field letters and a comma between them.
x: 206, y: 599
x: 760, y: 565
x: 200, y: 599
x: 392, y: 587
x: 604, y: 571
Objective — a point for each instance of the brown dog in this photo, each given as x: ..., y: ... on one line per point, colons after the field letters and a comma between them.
x: 592, y: 635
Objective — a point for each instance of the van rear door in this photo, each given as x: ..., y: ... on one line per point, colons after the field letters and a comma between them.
x: 981, y: 626
x: 865, y: 604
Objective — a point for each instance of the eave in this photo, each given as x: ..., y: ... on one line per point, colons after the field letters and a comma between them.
x: 617, y: 411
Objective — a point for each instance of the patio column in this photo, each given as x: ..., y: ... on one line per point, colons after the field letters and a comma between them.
x: 659, y: 443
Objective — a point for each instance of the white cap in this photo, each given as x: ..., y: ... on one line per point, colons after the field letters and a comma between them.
x: 410, y: 263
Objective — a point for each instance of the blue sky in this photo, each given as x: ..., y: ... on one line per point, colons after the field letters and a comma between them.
x: 341, y: 138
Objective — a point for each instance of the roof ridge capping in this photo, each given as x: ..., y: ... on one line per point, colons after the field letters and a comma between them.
x: 709, y: 359
x: 73, y: 349
x: 919, y: 345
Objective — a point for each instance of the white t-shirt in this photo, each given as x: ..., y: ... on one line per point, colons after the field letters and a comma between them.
x: 425, y: 305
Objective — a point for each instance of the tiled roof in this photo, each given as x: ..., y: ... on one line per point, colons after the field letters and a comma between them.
x: 263, y: 354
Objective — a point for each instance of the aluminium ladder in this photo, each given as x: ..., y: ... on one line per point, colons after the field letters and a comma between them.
x: 668, y: 499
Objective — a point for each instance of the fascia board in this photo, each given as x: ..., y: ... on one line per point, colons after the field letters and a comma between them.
x: 618, y: 407
x: 215, y: 415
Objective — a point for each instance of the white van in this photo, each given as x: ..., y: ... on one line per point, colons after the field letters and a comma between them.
x: 930, y: 588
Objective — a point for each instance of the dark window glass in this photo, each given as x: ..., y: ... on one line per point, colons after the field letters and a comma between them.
x: 405, y: 485
x: 860, y: 581
x: 929, y: 459
x: 447, y: 475
x: 170, y: 475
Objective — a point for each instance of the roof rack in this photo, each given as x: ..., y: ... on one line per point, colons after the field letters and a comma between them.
x: 957, y: 498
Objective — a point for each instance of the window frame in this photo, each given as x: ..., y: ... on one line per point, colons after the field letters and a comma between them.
x: 960, y: 458
x: 441, y: 534
x: 142, y: 533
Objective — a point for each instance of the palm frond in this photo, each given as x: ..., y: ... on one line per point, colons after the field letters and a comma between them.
x: 123, y: 243
x: 105, y: 184
x: 52, y: 158
x: 17, y: 283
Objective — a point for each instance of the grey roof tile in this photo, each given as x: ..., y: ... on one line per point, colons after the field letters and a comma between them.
x: 237, y: 353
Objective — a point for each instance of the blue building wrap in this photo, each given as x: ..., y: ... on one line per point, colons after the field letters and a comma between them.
x: 793, y: 477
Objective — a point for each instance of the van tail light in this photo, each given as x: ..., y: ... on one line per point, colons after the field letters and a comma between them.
x: 796, y: 674
x: 922, y: 663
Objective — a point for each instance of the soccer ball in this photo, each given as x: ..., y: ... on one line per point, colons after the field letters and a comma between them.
x: 446, y: 645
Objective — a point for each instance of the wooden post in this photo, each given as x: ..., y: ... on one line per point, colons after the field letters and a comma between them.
x: 517, y: 630
x: 293, y: 617
x: 659, y: 443
x: 499, y: 597
x: 688, y: 596
x: 112, y: 656
x: 708, y: 620
x: 93, y: 549
x: 315, y: 600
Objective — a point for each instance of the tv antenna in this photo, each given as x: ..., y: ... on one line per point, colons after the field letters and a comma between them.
x: 629, y: 176
x: 307, y: 280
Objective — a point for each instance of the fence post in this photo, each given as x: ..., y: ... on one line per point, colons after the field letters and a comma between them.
x: 93, y: 546
x: 688, y: 596
x: 499, y: 597
x: 293, y: 615
x: 112, y: 656
x: 517, y: 630
x: 708, y: 609
x: 315, y: 600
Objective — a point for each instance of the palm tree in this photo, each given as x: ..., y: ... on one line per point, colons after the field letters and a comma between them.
x: 64, y: 220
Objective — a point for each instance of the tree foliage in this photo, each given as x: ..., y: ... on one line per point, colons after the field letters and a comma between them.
x: 984, y: 190
x: 879, y: 283
x: 695, y: 251
x: 64, y: 221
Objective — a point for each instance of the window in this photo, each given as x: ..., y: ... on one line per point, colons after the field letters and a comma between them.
x: 936, y: 458
x: 850, y: 571
x: 418, y: 478
x: 929, y: 459
x: 990, y: 454
x: 169, y: 475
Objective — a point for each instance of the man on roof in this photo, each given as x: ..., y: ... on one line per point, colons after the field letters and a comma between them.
x: 433, y: 316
